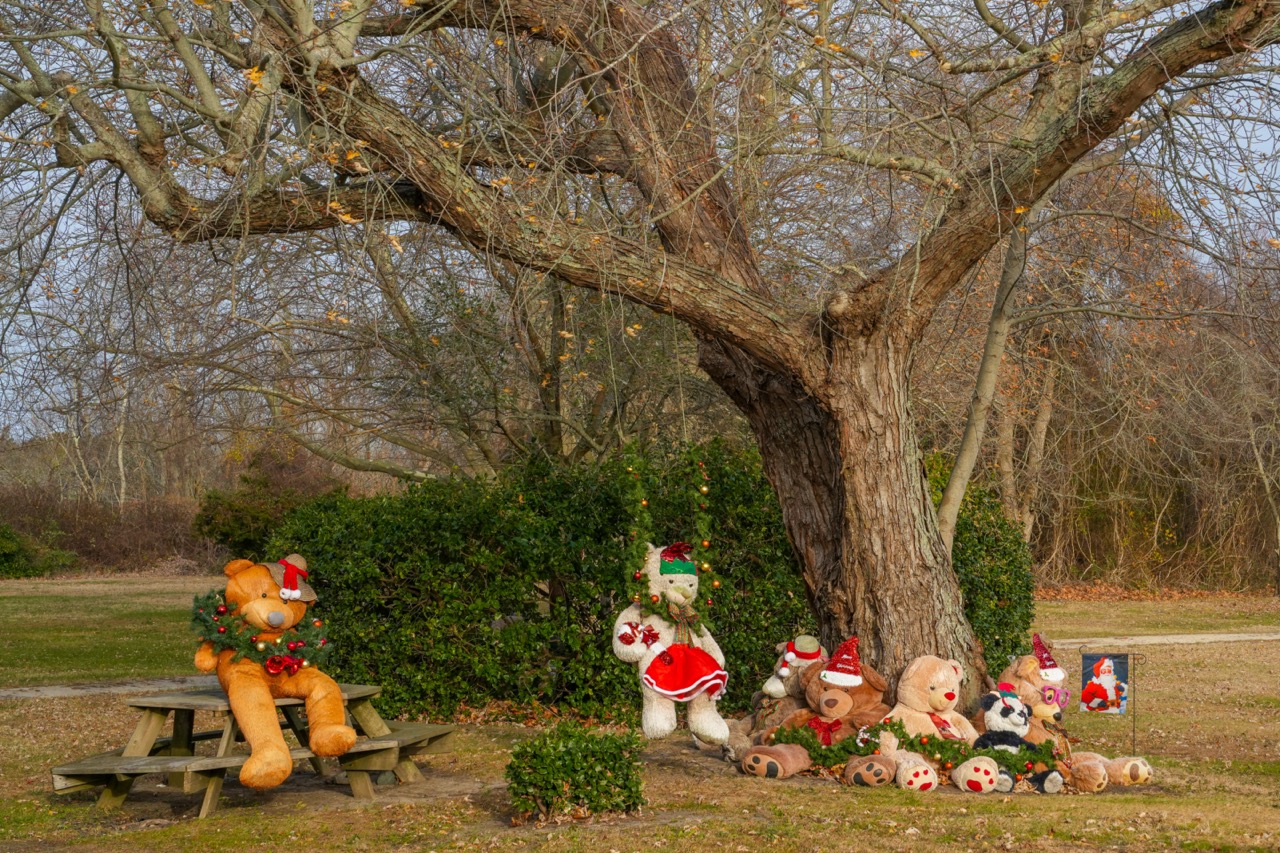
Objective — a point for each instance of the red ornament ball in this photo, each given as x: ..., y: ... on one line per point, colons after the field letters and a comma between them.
x: 292, y: 646
x: 708, y: 602
x: 947, y: 766
x: 1018, y: 777
x: 254, y: 638
x: 222, y: 629
x: 654, y: 599
x: 317, y: 623
x: 637, y: 576
x: 644, y: 503
x: 222, y: 608
x: 1029, y: 765
x: 924, y: 740
x: 706, y: 543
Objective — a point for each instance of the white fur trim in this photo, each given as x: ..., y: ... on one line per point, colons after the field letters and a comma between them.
x: 716, y: 679
x: 840, y: 679
x: 789, y: 656
x: 1057, y: 674
x: 784, y: 671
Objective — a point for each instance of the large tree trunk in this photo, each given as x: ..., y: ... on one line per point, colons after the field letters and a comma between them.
x: 855, y: 501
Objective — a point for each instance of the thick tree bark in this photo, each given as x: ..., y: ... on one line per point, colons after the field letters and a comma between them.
x: 855, y: 500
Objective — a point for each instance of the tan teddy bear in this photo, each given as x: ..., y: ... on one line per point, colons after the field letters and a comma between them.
x: 254, y: 642
x: 928, y: 692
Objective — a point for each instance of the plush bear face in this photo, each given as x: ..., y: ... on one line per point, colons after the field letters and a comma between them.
x: 831, y: 700
x: 678, y: 588
x: 252, y: 593
x: 930, y: 685
x: 1024, y: 675
x: 1005, y: 713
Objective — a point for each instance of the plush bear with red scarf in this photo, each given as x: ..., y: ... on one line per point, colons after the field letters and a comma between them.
x: 928, y: 692
x: 260, y: 642
x: 677, y: 658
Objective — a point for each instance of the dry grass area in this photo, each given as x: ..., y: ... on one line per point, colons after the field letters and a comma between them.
x: 1206, y: 720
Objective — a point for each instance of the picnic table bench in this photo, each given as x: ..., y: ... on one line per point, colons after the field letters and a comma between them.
x: 382, y: 745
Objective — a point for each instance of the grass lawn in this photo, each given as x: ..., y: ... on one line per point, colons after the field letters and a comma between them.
x: 72, y: 631
x: 1206, y: 720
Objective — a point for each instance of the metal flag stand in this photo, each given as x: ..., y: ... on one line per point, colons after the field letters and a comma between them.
x: 1134, y: 659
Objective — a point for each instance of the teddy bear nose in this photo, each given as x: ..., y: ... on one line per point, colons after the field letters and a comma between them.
x: 275, y: 619
x: 1057, y: 716
x: 949, y: 695
x: 830, y: 703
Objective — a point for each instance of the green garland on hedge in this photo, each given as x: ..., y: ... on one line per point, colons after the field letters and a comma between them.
x: 209, y: 613
x: 933, y: 747
x: 642, y: 535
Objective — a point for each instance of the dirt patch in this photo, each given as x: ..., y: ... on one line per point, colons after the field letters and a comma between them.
x: 1114, y: 592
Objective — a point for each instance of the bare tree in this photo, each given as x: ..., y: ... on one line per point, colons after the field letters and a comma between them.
x: 653, y: 154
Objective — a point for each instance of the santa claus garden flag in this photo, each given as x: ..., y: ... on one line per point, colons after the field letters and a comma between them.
x: 1104, y: 684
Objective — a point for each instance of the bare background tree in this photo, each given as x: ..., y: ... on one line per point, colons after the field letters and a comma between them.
x: 822, y: 193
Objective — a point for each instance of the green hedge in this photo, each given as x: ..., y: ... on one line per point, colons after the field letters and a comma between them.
x: 569, y: 770
x: 16, y: 559
x: 460, y: 592
x: 466, y: 591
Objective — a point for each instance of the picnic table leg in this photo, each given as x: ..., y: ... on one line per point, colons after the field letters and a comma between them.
x: 361, y: 784
x: 293, y: 714
x: 211, y: 793
x: 369, y: 721
x: 144, y: 737
x: 181, y: 744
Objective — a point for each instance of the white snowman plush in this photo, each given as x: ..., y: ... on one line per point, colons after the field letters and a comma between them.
x: 677, y: 658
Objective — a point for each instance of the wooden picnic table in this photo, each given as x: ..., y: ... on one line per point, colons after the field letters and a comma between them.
x: 382, y: 745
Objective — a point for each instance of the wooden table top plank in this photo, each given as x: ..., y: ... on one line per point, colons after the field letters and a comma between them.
x: 213, y: 699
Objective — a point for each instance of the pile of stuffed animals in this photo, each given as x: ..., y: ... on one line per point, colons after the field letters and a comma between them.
x: 1019, y: 721
x: 1014, y: 741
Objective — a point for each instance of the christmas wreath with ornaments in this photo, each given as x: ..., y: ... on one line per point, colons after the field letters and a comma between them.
x: 301, y: 646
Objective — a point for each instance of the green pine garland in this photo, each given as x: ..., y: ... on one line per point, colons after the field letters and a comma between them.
x: 242, y: 638
x: 934, y: 747
x: 642, y: 535
x: 865, y: 742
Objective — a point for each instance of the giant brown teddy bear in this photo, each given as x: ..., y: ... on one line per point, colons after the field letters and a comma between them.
x: 254, y: 596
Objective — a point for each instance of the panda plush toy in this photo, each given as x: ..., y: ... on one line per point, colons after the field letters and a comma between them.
x: 1008, y: 721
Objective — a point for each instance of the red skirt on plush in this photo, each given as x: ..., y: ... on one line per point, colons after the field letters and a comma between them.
x: 682, y: 672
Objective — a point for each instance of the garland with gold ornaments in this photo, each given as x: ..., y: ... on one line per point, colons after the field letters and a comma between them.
x: 700, y: 551
x: 303, y: 645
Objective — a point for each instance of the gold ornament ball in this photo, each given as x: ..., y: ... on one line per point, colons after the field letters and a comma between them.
x: 262, y: 647
x: 644, y: 503
x: 704, y: 489
x: 306, y: 662
x: 636, y: 598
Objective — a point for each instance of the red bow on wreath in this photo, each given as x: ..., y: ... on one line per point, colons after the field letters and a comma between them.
x: 277, y: 664
x: 824, y: 729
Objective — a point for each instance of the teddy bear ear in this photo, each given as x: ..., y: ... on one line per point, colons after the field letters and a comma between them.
x: 874, y: 679
x: 235, y: 567
x: 1028, y: 668
x: 988, y: 700
x: 955, y: 664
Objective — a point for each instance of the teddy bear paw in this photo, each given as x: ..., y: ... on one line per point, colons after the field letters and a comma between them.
x: 332, y: 740
x: 1005, y: 783
x: 977, y: 775
x: 871, y: 772
x: 776, y: 762
x: 1131, y: 771
x: 917, y: 777
x: 1051, y: 783
x: 266, y: 768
